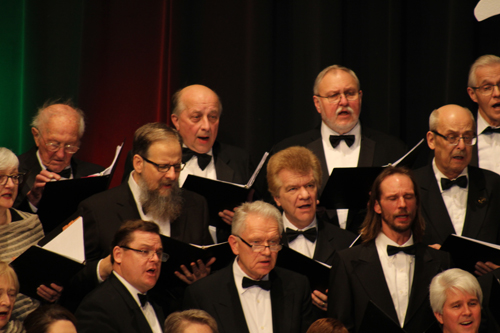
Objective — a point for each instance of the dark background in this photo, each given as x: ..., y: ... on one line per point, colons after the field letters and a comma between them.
x: 122, y: 60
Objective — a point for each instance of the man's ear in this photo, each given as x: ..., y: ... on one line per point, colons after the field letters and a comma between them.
x: 233, y: 242
x: 439, y: 317
x: 175, y: 121
x: 377, y: 207
x: 277, y: 200
x: 431, y: 140
x: 317, y: 104
x: 117, y: 254
x: 472, y: 94
x: 36, y: 136
x: 138, y: 163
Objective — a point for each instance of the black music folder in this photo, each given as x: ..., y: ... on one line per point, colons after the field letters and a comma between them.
x: 465, y: 252
x: 318, y: 273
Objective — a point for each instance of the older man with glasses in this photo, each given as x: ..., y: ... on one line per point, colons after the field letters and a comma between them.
x: 252, y: 295
x: 57, y: 129
x: 457, y: 198
x: 484, y: 89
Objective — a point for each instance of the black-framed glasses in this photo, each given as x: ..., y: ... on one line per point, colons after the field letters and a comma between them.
x: 149, y: 254
x: 487, y: 89
x: 469, y: 140
x: 165, y: 167
x: 260, y: 248
x: 335, y: 98
x: 16, y: 179
x: 55, y: 146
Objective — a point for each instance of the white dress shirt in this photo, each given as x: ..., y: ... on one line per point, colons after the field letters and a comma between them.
x: 342, y: 156
x: 255, y: 301
x: 192, y: 168
x: 488, y: 147
x: 301, y: 244
x: 398, y: 271
x: 455, y: 199
x: 147, y: 310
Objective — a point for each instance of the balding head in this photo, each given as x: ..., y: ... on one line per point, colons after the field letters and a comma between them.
x: 447, y: 123
x: 196, y: 116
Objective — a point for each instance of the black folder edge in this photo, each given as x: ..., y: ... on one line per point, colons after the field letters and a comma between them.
x: 37, y: 266
x: 349, y: 187
x: 317, y: 273
x: 465, y: 253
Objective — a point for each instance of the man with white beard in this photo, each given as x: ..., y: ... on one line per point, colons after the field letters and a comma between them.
x: 152, y: 193
x: 340, y: 141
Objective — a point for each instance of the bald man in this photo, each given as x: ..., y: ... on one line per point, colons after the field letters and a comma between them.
x: 457, y: 198
x: 57, y: 129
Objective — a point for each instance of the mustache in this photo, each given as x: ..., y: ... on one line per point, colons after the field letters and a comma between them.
x: 343, y: 109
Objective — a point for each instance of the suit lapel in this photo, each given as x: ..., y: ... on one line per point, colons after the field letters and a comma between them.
x: 433, y: 206
x: 368, y: 271
x: 474, y: 161
x: 224, y: 172
x: 136, y: 312
x: 366, y: 151
x: 281, y: 303
x: 228, y: 306
x: 477, y: 204
x: 325, y: 247
x: 128, y: 207
x: 425, y: 269
x: 316, y: 147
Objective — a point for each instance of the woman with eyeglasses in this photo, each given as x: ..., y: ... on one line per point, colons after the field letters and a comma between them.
x: 18, y: 230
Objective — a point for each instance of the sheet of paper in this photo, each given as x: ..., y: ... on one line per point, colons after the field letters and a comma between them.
x: 69, y: 243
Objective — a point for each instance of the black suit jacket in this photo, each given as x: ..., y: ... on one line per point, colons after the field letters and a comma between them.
x: 330, y: 240
x: 357, y: 277
x: 111, y: 308
x: 482, y: 219
x: 232, y: 164
x: 490, y: 316
x: 28, y: 163
x: 217, y: 294
x: 376, y: 149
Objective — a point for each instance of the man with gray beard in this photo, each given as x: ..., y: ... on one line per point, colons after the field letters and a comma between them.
x: 340, y: 141
x: 151, y: 194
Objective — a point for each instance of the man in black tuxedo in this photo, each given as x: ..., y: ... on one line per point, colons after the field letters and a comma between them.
x: 251, y: 294
x: 457, y: 198
x: 484, y: 89
x: 294, y: 176
x: 151, y: 194
x: 121, y: 304
x: 57, y: 129
x: 391, y: 267
x: 196, y: 113
x: 341, y: 141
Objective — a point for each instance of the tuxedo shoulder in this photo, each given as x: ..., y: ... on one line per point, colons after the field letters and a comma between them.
x: 230, y: 150
x: 301, y: 139
x: 192, y: 197
x: 102, y: 198
x: 286, y: 274
x: 382, y: 137
x: 489, y: 175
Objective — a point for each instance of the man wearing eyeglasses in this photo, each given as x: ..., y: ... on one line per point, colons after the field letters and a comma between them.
x: 57, y: 130
x: 122, y: 303
x: 484, y: 89
x: 151, y: 193
x: 341, y: 141
x: 457, y: 198
x: 251, y: 295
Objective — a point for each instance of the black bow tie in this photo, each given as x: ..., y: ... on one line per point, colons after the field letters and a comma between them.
x: 310, y: 234
x: 460, y: 182
x: 392, y: 250
x: 490, y: 130
x: 247, y: 283
x: 335, y: 140
x: 143, y: 298
x: 66, y: 173
x: 203, y: 159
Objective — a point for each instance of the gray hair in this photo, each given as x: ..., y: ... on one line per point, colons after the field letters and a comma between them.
x: 177, y: 322
x: 150, y: 133
x: 325, y: 71
x: 260, y: 208
x: 8, y: 159
x: 178, y: 105
x: 434, y: 119
x: 456, y: 279
x: 41, y: 117
x: 11, y: 275
x: 485, y: 60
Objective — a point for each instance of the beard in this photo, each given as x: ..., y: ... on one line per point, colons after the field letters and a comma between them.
x: 158, y: 206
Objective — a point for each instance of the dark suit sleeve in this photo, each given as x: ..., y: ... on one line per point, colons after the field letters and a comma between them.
x: 339, y: 293
x: 94, y: 317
